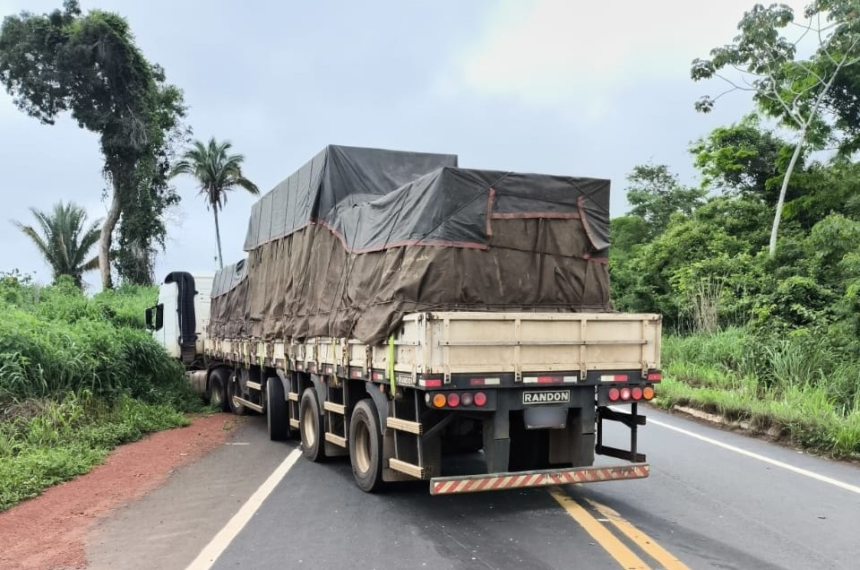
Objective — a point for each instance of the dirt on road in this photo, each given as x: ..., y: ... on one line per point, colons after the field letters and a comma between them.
x: 48, y: 532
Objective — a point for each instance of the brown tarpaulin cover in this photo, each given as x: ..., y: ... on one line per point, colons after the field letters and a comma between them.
x: 450, y: 239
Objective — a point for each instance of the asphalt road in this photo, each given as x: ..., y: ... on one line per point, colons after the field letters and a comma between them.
x: 704, y: 506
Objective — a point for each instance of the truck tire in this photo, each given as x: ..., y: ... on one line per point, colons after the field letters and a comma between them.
x: 365, y: 446
x: 311, y: 426
x: 232, y: 391
x: 218, y: 379
x: 277, y: 414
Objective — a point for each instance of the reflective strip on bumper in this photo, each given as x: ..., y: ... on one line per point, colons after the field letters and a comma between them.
x: 545, y: 478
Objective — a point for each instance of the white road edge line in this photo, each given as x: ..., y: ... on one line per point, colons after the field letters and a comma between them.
x: 798, y: 470
x: 219, y: 543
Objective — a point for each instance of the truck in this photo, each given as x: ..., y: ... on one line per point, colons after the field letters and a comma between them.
x: 412, y: 315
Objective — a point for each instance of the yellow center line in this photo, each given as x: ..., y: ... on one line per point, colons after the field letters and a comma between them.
x: 621, y: 553
x: 645, y: 542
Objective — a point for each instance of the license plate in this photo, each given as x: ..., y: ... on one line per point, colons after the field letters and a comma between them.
x: 546, y: 397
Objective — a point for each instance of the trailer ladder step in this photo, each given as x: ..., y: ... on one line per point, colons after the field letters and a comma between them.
x: 405, y: 425
x: 254, y: 385
x: 334, y: 408
x: 408, y: 468
x: 256, y: 407
x: 335, y: 439
x: 292, y: 396
x: 294, y: 423
x: 620, y: 454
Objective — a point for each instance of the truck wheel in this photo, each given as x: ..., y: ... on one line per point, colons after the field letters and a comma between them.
x: 218, y: 379
x: 365, y: 446
x: 277, y: 415
x: 236, y: 407
x: 311, y: 426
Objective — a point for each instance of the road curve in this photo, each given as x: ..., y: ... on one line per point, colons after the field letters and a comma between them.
x: 719, y: 500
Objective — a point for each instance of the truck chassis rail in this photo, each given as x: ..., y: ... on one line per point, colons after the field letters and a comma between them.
x: 542, y: 478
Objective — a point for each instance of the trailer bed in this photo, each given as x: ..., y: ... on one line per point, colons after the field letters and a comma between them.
x: 511, y: 345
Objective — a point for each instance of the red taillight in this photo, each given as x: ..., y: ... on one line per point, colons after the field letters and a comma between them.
x: 467, y: 399
x: 636, y: 393
x: 433, y: 382
x: 480, y: 398
x: 655, y: 376
x: 614, y: 394
x: 453, y: 399
x: 625, y: 394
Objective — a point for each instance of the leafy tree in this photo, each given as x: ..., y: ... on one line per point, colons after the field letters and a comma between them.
x: 217, y: 172
x: 794, y: 91
x: 65, y: 240
x: 142, y: 230
x: 627, y: 235
x: 743, y: 159
x: 90, y: 66
x: 655, y: 194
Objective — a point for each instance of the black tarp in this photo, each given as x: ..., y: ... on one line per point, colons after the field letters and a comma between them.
x: 359, y: 237
x: 336, y: 176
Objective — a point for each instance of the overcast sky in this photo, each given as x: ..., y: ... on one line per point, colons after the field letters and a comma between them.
x: 549, y: 86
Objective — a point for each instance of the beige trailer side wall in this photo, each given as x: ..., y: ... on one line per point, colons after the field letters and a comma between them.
x: 448, y: 343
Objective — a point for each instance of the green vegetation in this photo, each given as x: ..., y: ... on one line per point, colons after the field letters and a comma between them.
x: 65, y: 241
x: 78, y: 376
x: 759, y: 330
x: 89, y: 65
x: 798, y: 388
x: 49, y: 441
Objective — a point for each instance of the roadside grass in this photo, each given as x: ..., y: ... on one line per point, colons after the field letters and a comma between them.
x: 50, y: 441
x: 78, y: 376
x: 796, y: 388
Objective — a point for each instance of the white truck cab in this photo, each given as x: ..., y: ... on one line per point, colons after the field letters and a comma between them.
x: 179, y: 320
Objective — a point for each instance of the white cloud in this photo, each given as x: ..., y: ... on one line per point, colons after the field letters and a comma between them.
x: 562, y: 53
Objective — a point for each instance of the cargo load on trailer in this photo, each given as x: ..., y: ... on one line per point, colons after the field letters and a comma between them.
x: 357, y: 238
x: 398, y: 309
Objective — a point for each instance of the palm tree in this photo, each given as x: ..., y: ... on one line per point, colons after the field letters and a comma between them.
x: 65, y: 240
x: 216, y: 171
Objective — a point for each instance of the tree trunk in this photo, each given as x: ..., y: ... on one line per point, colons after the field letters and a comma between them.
x: 105, y: 239
x: 782, y: 191
x: 218, y: 238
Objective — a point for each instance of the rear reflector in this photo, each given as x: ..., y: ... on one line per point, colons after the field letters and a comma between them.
x: 430, y: 382
x: 543, y: 379
x: 655, y: 376
x: 499, y: 481
x: 614, y: 378
x: 485, y: 381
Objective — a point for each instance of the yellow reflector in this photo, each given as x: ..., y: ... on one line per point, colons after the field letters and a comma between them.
x: 439, y: 400
x: 648, y: 392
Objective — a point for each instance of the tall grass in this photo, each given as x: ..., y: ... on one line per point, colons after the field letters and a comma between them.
x: 50, y: 441
x: 802, y: 385
x: 78, y: 376
x: 54, y: 340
